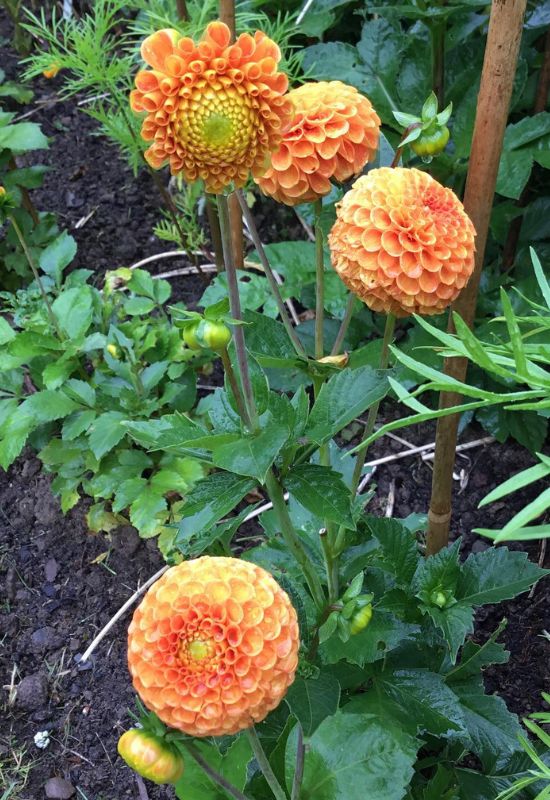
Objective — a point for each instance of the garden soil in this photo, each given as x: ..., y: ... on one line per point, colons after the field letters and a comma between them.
x: 60, y: 584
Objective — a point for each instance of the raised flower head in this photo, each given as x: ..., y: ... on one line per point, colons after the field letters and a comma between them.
x: 213, y: 647
x: 333, y: 134
x: 402, y: 242
x: 215, y: 110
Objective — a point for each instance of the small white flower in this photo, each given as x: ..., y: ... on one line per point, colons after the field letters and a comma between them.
x: 42, y: 739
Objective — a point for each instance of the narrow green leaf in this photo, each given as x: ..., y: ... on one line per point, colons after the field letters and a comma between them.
x: 518, y: 481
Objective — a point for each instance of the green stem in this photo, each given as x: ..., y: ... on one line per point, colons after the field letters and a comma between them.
x: 235, y: 388
x: 276, y: 495
x: 251, y: 224
x: 319, y: 281
x: 263, y: 763
x: 30, y: 261
x: 299, y: 768
x: 344, y: 325
x: 235, y: 305
x: 212, y: 774
x: 373, y: 410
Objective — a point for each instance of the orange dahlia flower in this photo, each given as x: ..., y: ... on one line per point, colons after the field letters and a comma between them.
x: 215, y: 110
x: 402, y: 242
x: 333, y: 134
x: 213, y: 646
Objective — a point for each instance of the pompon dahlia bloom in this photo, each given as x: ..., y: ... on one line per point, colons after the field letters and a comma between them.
x: 333, y: 134
x: 215, y: 110
x: 402, y: 242
x: 213, y: 646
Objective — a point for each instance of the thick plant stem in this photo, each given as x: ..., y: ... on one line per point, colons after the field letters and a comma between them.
x: 263, y: 763
x: 215, y: 776
x: 30, y: 261
x: 181, y: 6
x: 497, y: 79
x: 235, y: 304
x: 276, y: 495
x: 319, y: 282
x: 215, y: 234
x: 227, y: 15
x: 251, y: 224
x: 344, y: 325
x: 235, y: 388
x: 299, y: 768
x: 373, y: 410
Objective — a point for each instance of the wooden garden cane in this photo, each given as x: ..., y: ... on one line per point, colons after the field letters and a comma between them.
x: 495, y: 91
x: 227, y: 15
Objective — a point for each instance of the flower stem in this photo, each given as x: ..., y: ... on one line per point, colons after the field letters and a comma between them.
x: 251, y: 224
x: 276, y: 495
x: 399, y: 150
x: 212, y: 774
x: 265, y: 766
x: 344, y: 325
x: 235, y: 388
x: 235, y: 304
x: 319, y: 281
x: 373, y: 410
x: 299, y: 768
x: 32, y: 265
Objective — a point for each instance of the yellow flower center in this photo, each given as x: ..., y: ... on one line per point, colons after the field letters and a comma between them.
x: 197, y: 654
x: 217, y: 129
x: 217, y: 124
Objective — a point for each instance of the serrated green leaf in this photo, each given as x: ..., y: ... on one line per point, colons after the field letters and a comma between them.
x: 127, y: 492
x: 342, y: 399
x: 426, y: 697
x: 76, y: 423
x: 106, y: 432
x: 311, y: 700
x: 232, y: 765
x: 210, y: 500
x: 147, y: 512
x: 47, y: 405
x: 456, y: 621
x: 6, y: 331
x: 474, y: 657
x: 355, y: 757
x: 492, y: 729
x: 253, y: 454
x: 57, y: 256
x: 494, y: 575
x: 74, y: 311
x: 22, y: 136
x: 399, y: 548
x: 383, y: 633
x: 321, y: 491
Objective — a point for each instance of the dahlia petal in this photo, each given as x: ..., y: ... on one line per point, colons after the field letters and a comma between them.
x: 156, y: 48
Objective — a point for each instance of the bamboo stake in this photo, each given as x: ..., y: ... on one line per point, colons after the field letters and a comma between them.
x: 227, y: 15
x: 497, y: 78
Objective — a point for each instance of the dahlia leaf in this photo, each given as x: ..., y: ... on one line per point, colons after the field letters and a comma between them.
x: 252, y: 455
x: 495, y: 575
x: 312, y: 700
x: 475, y: 657
x: 343, y: 398
x: 383, y: 633
x: 399, y: 548
x: 321, y: 491
x: 58, y: 255
x: 232, y: 765
x: 354, y: 756
x: 106, y: 432
x: 210, y: 500
x: 74, y: 311
x: 427, y: 699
